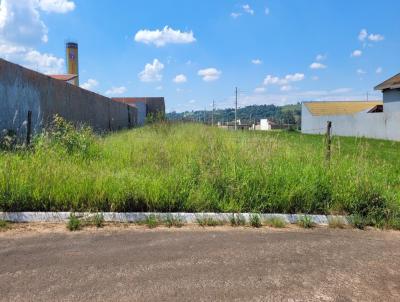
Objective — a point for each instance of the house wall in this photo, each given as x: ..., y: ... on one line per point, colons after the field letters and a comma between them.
x: 22, y: 90
x: 381, y: 125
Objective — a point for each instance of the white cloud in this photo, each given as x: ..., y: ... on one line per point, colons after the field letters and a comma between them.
x: 248, y: 9
x: 152, y: 72
x: 256, y: 61
x: 56, y: 6
x: 317, y: 65
x: 159, y: 88
x: 379, y: 70
x: 259, y: 90
x: 320, y: 57
x: 286, y: 88
x: 266, y: 11
x: 235, y: 15
x: 375, y: 37
x: 362, y: 35
x: 116, y: 90
x: 20, y: 22
x: 21, y: 28
x: 163, y: 37
x: 315, y: 78
x: 90, y: 84
x: 209, y: 74
x: 361, y: 71
x: 356, y: 53
x: 180, y: 78
x: 31, y: 58
x: 273, y: 80
x: 192, y: 101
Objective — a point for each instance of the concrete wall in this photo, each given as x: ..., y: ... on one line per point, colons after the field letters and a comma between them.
x: 22, y: 90
x: 141, y: 112
x: 381, y: 125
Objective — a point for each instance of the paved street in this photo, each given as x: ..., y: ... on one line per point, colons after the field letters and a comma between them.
x: 196, y: 264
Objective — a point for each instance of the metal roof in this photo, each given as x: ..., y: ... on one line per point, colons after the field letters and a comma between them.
x: 63, y: 77
x: 340, y: 108
x: 392, y: 83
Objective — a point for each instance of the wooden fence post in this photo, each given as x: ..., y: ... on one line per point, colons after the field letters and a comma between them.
x: 29, y: 128
x: 328, y: 140
x: 129, y: 117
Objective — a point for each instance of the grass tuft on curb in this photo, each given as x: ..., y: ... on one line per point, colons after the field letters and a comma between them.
x: 306, y: 222
x: 74, y: 223
x: 255, y: 221
x: 275, y: 222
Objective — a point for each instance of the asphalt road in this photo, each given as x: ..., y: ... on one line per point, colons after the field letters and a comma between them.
x: 195, y: 264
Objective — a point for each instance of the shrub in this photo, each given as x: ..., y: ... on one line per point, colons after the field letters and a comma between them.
x: 255, y: 220
x: 151, y: 221
x: 394, y: 223
x: 358, y: 221
x: 8, y: 140
x: 74, y: 223
x: 4, y: 225
x: 98, y: 220
x: 208, y: 221
x: 306, y: 222
x: 171, y: 221
x: 336, y: 223
x: 275, y: 222
x: 237, y: 220
x: 63, y: 134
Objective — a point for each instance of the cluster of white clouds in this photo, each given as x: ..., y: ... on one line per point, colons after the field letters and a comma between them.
x: 247, y: 9
x: 165, y: 36
x: 364, y: 37
x: 285, y: 81
x: 90, y: 84
x: 209, y: 74
x: 180, y: 78
x: 116, y: 90
x: 152, y: 72
x: 317, y: 64
x: 22, y: 28
x: 256, y: 61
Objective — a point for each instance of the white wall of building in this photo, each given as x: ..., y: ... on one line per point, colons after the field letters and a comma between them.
x: 264, y: 124
x: 382, y: 125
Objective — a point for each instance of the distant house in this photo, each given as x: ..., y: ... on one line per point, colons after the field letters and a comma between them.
x: 373, y: 119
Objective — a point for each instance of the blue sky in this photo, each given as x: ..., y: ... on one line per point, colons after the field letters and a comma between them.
x: 276, y: 52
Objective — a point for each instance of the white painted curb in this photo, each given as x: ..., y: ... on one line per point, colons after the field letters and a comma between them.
x: 58, y: 217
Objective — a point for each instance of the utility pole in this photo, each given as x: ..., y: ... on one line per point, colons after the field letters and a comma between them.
x: 212, y: 116
x: 367, y: 96
x: 236, y: 102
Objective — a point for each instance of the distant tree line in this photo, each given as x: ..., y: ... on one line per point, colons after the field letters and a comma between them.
x: 287, y: 114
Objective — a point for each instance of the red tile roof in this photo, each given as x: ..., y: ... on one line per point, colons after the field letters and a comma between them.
x: 63, y: 77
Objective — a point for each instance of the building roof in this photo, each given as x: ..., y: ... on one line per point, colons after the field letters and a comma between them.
x: 392, y: 83
x: 136, y: 99
x: 63, y: 77
x: 340, y: 108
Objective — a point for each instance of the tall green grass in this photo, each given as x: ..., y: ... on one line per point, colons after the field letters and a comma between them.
x: 190, y: 167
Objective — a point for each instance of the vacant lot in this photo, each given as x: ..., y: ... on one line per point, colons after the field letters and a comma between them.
x: 189, y: 167
x: 195, y: 264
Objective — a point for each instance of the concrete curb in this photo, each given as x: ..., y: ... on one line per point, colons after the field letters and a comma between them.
x: 59, y: 217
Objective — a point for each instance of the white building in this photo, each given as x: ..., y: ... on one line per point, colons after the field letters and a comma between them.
x: 373, y: 119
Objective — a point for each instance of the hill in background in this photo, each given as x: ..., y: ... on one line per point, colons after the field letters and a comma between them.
x: 287, y: 114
